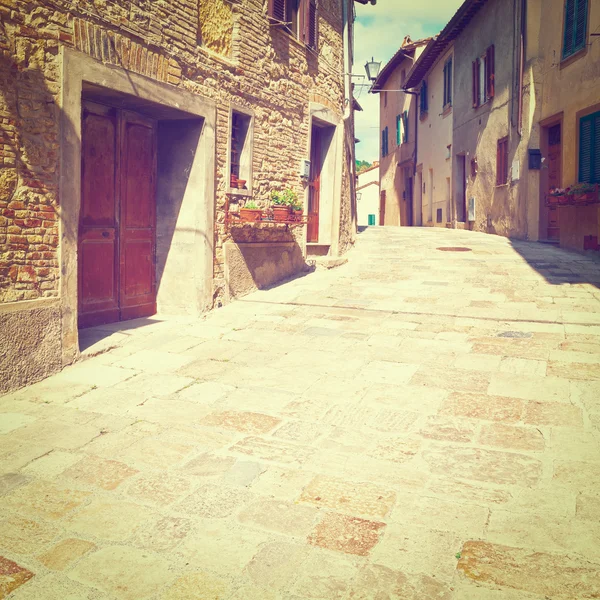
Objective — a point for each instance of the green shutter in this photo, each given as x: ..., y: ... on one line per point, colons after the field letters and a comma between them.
x: 383, y: 142
x: 397, y: 130
x: 589, y: 148
x: 575, y: 26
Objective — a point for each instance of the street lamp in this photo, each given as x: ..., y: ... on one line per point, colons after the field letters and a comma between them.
x: 372, y: 68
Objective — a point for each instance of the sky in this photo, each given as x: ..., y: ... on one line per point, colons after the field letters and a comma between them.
x: 378, y: 33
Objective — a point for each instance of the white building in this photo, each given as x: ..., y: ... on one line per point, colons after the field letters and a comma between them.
x: 367, y: 197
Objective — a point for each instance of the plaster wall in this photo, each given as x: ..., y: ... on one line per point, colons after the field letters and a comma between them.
x: 400, y: 156
x: 500, y: 209
x: 368, y: 187
x: 435, y: 135
x: 570, y: 89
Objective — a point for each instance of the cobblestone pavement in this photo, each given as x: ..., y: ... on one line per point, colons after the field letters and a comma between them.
x: 416, y: 424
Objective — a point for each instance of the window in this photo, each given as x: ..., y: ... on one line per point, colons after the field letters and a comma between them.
x: 502, y: 162
x: 575, y: 25
x: 448, y: 83
x: 405, y: 127
x: 589, y: 148
x: 300, y: 17
x: 423, y: 98
x: 384, y: 142
x: 240, y: 157
x: 483, y: 78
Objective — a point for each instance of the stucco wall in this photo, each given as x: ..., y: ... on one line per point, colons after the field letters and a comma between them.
x: 570, y: 89
x: 392, y: 179
x: 220, y: 51
x: 499, y: 209
x: 368, y: 188
x: 435, y: 135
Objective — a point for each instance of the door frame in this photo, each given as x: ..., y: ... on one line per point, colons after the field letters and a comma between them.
x: 78, y: 68
x: 331, y: 175
x: 545, y: 125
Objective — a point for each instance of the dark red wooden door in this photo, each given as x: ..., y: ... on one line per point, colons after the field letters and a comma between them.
x: 314, y: 186
x: 554, y: 176
x: 117, y: 226
x: 98, y: 220
x: 138, y: 218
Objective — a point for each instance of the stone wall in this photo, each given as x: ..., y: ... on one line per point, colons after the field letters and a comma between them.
x: 227, y: 52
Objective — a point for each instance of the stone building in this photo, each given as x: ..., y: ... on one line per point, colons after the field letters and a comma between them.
x: 397, y: 125
x: 121, y: 126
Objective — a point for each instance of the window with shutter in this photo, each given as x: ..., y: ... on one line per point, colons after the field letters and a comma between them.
x: 448, y: 83
x: 475, y: 84
x: 491, y: 75
x: 575, y: 26
x: 398, y: 138
x: 502, y: 161
x: 423, y: 98
x: 589, y: 148
x: 277, y: 9
x: 313, y: 25
x: 405, y: 127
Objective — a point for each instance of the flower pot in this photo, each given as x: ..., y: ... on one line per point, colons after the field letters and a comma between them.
x: 298, y: 215
x: 565, y: 199
x: 552, y: 199
x: 241, y: 184
x: 583, y: 198
x: 250, y: 215
x: 281, y: 213
x: 233, y: 181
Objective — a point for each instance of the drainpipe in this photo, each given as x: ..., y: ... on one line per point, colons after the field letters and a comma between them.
x: 522, y: 44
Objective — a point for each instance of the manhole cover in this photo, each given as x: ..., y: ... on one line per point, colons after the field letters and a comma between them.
x: 514, y: 334
x: 455, y: 249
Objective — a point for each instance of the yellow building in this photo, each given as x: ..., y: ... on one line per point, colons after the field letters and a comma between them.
x: 565, y: 37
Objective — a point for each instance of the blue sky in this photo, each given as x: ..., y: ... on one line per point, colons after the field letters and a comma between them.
x: 379, y: 31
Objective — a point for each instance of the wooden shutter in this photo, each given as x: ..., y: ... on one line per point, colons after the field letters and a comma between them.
x: 277, y: 9
x: 397, y: 130
x: 475, y: 86
x: 313, y: 24
x: 383, y: 142
x: 589, y: 148
x: 450, y: 81
x: 502, y: 162
x: 490, y: 76
x: 423, y: 98
x: 580, y: 25
x: 405, y: 123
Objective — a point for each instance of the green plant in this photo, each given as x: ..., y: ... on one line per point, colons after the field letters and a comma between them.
x: 582, y: 188
x: 251, y: 205
x: 284, y: 198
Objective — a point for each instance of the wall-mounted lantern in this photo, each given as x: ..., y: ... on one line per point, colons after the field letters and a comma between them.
x: 372, y: 68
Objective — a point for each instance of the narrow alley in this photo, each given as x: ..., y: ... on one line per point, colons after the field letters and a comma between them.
x: 421, y: 422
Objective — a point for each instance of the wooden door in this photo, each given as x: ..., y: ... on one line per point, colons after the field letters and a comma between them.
x: 117, y: 226
x: 98, y: 243
x: 138, y: 218
x: 554, y: 176
x: 314, y: 186
x: 382, y: 200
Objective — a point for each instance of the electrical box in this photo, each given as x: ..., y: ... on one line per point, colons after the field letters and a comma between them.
x: 305, y: 169
x: 471, y: 209
x: 535, y: 159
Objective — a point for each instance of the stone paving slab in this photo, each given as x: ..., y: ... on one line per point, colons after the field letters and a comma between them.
x: 415, y: 424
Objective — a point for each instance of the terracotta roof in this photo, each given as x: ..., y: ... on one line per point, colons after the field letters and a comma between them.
x: 407, y: 50
x: 438, y: 44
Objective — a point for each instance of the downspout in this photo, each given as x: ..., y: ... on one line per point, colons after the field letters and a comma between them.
x: 522, y: 42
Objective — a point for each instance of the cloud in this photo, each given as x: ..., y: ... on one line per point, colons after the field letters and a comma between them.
x: 378, y: 33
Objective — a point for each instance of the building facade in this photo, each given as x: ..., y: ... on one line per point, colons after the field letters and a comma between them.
x: 398, y: 125
x: 562, y: 37
x: 367, y: 197
x: 131, y: 132
x: 433, y: 177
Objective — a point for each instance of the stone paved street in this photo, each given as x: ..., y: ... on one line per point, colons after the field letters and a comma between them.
x: 415, y: 424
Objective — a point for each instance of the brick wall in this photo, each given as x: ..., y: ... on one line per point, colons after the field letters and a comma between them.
x: 223, y: 50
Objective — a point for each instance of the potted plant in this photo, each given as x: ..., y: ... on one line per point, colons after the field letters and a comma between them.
x: 282, y: 204
x: 557, y: 196
x: 583, y: 192
x: 298, y: 209
x: 250, y: 212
